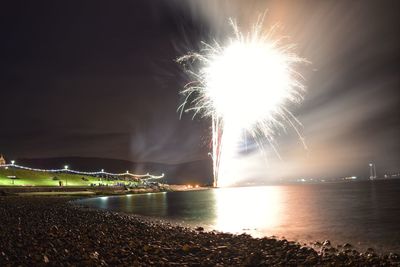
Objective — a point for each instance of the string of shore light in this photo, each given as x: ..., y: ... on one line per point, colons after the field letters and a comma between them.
x: 66, y: 169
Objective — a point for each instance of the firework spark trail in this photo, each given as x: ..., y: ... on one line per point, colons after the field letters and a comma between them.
x: 245, y: 86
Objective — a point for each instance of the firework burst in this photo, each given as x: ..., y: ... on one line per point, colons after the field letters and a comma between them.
x: 244, y: 86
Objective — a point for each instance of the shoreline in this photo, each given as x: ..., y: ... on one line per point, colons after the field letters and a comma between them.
x: 90, y: 191
x: 43, y: 230
x: 316, y: 244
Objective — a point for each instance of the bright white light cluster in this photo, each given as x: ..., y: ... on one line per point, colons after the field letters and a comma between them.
x: 244, y: 86
x: 67, y: 170
x: 248, y: 82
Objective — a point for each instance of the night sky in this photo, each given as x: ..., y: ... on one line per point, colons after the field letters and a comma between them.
x: 99, y: 79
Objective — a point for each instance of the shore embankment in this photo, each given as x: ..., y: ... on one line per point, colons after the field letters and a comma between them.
x: 91, y: 190
x: 40, y: 231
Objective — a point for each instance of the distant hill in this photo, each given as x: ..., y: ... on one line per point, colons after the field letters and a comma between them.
x: 183, y: 173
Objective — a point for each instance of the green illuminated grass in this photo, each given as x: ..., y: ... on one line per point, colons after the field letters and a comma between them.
x: 33, y: 178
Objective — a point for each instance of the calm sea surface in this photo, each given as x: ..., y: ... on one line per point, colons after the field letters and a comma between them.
x: 365, y: 214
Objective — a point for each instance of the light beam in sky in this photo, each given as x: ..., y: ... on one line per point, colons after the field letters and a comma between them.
x: 246, y: 87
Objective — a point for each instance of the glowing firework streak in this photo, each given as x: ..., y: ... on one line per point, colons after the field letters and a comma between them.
x: 245, y: 86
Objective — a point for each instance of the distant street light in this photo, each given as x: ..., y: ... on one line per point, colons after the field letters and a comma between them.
x: 13, y: 171
x: 372, y: 171
x: 102, y: 174
x: 66, y: 177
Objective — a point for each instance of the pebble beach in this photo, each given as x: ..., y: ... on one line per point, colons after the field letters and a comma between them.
x: 53, y: 231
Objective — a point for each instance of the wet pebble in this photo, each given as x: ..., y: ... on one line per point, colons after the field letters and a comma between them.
x: 50, y: 230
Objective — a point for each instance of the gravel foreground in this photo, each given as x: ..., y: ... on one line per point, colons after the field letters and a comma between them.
x: 49, y: 231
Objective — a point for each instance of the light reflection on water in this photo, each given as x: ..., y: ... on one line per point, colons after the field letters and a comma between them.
x: 254, y: 208
x: 364, y: 214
